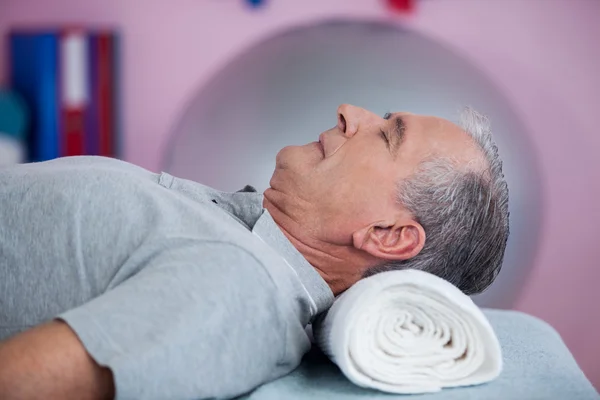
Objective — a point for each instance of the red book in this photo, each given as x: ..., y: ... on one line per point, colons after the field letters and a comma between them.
x: 74, y: 91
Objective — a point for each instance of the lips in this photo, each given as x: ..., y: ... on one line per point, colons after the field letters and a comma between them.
x: 320, y: 147
x: 322, y: 143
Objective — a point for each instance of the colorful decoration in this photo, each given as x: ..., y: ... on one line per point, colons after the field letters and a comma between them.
x: 14, y: 115
x: 402, y: 5
x: 255, y: 3
x: 14, y: 119
x: 68, y: 79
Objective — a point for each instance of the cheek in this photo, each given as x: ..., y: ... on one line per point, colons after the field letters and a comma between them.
x: 365, y: 176
x: 354, y: 193
x: 370, y: 185
x: 352, y: 197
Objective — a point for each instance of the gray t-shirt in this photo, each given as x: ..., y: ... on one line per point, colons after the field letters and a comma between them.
x: 182, y: 290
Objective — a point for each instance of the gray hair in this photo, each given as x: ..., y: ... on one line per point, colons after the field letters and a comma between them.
x: 464, y: 212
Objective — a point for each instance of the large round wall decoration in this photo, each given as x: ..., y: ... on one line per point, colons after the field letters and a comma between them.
x: 285, y: 90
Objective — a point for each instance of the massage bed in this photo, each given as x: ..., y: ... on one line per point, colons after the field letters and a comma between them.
x: 537, y: 365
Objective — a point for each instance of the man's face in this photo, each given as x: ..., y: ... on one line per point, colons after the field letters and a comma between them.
x: 348, y: 178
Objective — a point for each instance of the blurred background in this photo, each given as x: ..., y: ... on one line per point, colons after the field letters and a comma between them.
x: 211, y: 90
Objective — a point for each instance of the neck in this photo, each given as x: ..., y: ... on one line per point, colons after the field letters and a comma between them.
x: 339, y: 265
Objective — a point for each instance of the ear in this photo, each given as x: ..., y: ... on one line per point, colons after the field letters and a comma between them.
x: 397, y: 241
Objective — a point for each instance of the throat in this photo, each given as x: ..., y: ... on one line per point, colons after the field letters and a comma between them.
x: 340, y: 265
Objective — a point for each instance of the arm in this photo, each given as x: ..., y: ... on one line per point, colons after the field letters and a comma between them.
x: 198, y: 321
x: 49, y: 362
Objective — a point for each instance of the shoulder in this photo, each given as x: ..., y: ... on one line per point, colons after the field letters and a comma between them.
x: 74, y: 177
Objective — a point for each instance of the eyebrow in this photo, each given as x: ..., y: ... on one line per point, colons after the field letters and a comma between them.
x: 398, y: 130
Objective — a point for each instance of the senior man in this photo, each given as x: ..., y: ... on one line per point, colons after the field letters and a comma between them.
x: 115, y: 281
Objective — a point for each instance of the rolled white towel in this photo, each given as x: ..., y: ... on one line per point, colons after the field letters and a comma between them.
x: 409, y: 331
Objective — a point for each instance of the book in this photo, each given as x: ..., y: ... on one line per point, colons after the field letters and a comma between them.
x: 33, y: 73
x: 106, y: 94
x: 74, y: 90
x: 100, y: 113
x: 69, y: 80
x: 92, y: 112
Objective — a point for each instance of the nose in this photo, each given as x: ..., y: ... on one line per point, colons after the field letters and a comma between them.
x: 351, y: 117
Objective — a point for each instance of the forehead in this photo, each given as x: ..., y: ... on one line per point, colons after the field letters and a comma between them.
x: 435, y: 136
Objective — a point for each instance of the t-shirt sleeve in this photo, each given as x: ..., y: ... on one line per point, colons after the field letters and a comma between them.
x: 199, y: 322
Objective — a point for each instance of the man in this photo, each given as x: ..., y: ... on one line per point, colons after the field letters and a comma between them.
x: 119, y: 282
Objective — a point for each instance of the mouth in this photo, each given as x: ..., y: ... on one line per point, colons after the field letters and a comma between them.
x: 322, y: 143
x: 320, y: 148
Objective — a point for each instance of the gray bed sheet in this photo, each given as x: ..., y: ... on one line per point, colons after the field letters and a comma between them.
x: 537, y: 366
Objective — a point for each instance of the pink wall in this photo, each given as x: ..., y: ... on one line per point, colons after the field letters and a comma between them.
x: 543, y: 54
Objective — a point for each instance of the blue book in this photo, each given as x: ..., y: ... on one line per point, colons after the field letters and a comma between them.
x: 34, y: 75
x: 92, y: 114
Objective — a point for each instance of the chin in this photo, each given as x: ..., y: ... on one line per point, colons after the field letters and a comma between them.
x: 298, y: 158
x: 274, y: 179
x: 282, y: 156
x: 291, y: 177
